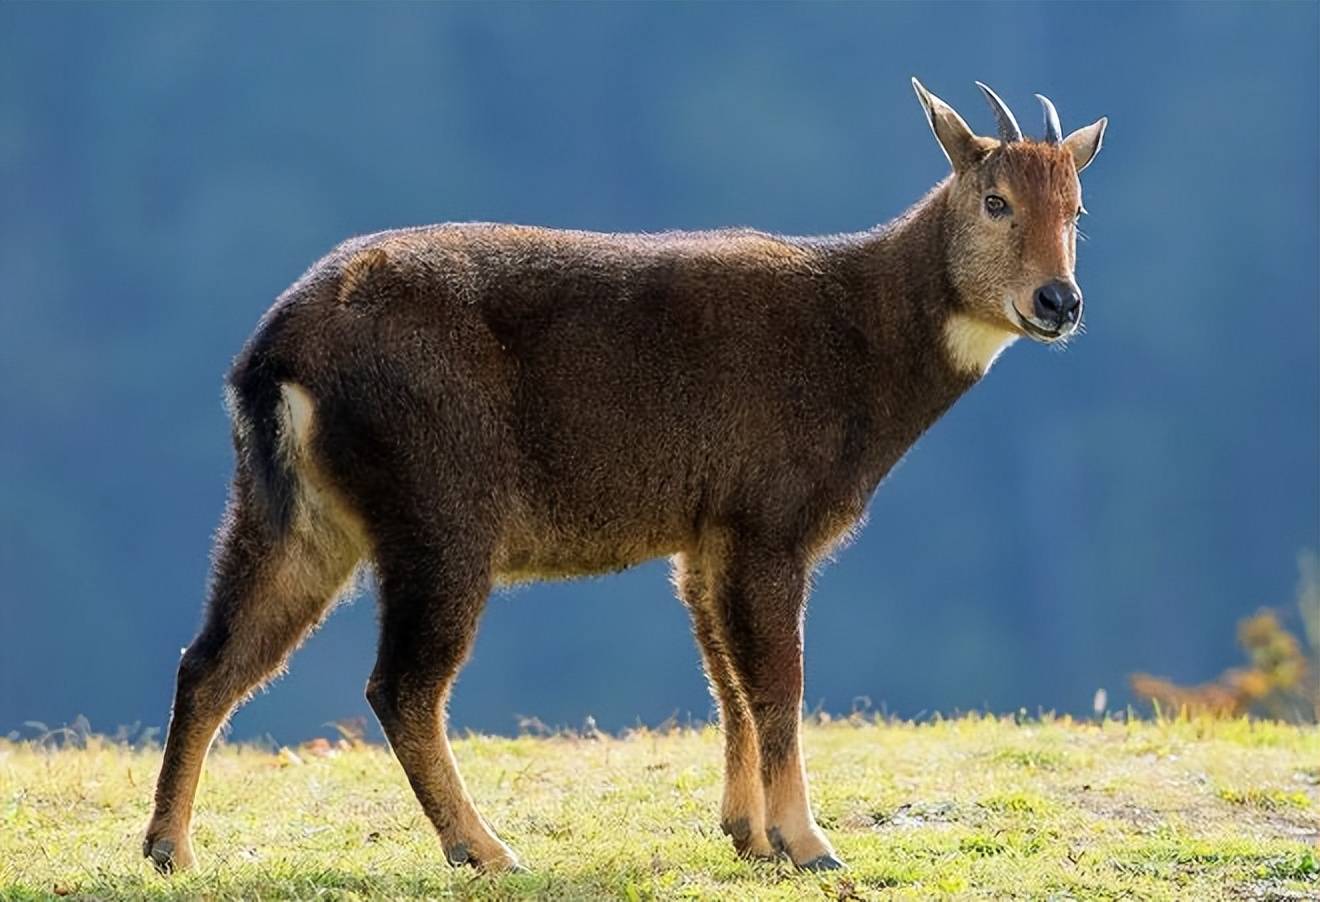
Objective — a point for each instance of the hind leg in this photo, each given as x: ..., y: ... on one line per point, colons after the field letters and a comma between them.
x: 266, y: 593
x: 742, y: 811
x: 433, y: 585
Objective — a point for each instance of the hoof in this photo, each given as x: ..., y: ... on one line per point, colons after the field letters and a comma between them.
x: 740, y: 830
x: 745, y: 843
x: 459, y: 855
x: 165, y: 855
x: 502, y: 861
x: 823, y: 863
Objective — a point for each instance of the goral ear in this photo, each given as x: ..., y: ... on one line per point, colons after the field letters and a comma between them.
x: 1085, y: 143
x: 960, y: 144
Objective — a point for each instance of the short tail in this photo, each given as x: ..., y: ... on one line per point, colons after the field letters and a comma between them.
x: 270, y: 415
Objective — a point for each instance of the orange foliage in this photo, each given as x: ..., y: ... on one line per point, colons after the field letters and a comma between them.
x: 1276, y: 682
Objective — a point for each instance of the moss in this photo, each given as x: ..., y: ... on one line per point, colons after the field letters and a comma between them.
x: 1016, y: 802
x: 1032, y: 758
x: 1268, y: 799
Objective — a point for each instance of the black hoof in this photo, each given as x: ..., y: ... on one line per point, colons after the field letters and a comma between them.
x: 823, y: 863
x: 740, y: 831
x: 161, y: 853
x: 460, y: 856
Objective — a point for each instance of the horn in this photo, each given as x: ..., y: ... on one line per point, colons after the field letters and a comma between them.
x: 1053, y: 134
x: 1008, y: 127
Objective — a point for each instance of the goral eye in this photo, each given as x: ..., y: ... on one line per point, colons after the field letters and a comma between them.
x: 995, y: 205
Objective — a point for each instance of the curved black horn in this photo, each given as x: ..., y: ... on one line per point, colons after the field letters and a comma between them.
x: 1008, y: 127
x: 1053, y: 134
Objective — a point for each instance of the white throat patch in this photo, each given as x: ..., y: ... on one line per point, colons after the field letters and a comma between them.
x: 973, y: 345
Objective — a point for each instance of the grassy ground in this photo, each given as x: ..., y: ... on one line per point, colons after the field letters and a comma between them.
x: 967, y: 807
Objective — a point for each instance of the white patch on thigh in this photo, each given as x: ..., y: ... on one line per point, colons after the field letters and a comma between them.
x: 297, y: 415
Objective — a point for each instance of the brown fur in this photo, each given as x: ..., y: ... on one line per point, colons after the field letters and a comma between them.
x: 992, y: 261
x: 464, y: 405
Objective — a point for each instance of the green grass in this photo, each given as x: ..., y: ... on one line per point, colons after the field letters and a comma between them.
x: 969, y: 807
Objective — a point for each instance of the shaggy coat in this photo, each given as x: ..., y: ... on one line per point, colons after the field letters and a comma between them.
x: 465, y: 405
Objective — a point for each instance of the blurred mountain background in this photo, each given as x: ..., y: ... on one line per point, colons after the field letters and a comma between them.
x: 167, y: 169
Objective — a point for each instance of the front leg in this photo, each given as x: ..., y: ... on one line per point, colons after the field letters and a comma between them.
x: 762, y: 594
x: 742, y: 811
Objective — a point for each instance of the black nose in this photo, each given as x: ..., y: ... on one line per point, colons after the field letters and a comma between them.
x: 1058, y: 302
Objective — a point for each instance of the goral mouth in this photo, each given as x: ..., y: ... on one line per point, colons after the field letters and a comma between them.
x: 1042, y: 334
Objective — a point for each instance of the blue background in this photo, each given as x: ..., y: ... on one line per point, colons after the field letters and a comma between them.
x: 166, y: 170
